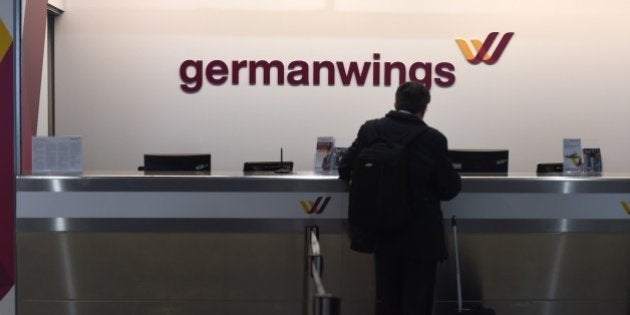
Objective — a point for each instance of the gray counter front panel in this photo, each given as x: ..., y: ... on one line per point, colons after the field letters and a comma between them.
x: 182, y: 245
x: 183, y: 273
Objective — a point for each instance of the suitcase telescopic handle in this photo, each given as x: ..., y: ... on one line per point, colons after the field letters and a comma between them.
x: 460, y: 300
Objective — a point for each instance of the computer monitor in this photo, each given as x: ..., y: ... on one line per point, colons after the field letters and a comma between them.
x: 480, y: 162
x: 197, y: 163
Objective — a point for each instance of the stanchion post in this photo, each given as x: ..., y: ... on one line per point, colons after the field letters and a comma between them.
x: 326, y: 305
x: 316, y: 300
x: 309, y: 287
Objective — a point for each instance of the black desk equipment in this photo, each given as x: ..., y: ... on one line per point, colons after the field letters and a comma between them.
x: 196, y: 163
x: 549, y: 169
x: 480, y: 162
x: 275, y: 167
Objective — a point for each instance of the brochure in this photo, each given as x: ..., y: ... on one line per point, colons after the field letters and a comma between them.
x: 592, y: 161
x: 324, y: 155
x: 337, y: 156
x: 572, y: 162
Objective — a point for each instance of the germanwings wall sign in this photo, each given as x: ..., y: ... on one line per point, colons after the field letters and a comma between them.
x: 379, y: 71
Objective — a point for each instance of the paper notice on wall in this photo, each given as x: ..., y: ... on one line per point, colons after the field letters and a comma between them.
x: 57, y: 154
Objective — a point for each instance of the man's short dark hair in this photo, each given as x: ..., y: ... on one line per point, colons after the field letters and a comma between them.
x: 412, y: 97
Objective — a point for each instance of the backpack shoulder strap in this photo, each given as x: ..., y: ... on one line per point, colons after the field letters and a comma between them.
x: 406, y: 139
x: 374, y: 134
x: 414, y: 134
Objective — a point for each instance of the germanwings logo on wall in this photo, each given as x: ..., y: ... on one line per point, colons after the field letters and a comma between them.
x: 626, y: 206
x: 315, y: 207
x: 483, y: 48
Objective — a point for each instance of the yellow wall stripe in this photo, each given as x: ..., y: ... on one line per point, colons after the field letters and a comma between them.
x: 5, y: 40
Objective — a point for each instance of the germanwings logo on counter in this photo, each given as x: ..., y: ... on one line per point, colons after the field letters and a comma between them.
x: 315, y: 207
x: 626, y: 206
x: 483, y: 48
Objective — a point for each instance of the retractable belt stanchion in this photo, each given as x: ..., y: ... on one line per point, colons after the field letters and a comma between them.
x: 317, y: 301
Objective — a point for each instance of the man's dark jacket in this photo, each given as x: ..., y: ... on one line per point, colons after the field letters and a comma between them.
x: 431, y: 180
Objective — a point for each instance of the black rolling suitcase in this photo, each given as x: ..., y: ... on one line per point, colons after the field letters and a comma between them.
x: 477, y: 310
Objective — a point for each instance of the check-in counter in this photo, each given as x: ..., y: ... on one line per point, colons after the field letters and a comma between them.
x: 234, y: 244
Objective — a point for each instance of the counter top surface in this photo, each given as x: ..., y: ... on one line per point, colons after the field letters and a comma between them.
x: 302, y: 181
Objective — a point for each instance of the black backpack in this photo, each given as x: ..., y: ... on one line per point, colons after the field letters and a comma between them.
x: 379, y: 196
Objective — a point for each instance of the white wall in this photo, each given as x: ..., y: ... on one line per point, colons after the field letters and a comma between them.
x: 562, y: 75
x: 6, y: 15
x: 58, y: 4
x: 42, y: 121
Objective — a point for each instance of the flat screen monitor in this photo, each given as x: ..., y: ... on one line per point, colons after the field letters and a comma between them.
x: 480, y: 162
x: 197, y: 163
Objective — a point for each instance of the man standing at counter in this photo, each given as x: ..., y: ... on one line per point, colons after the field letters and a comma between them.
x: 406, y: 258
